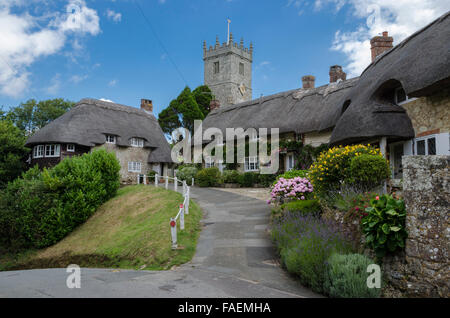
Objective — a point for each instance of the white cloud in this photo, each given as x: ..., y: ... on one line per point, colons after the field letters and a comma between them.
x: 106, y: 100
x: 24, y: 39
x: 55, y: 85
x: 400, y: 18
x: 78, y: 78
x: 113, y: 83
x: 114, y: 16
x: 162, y: 1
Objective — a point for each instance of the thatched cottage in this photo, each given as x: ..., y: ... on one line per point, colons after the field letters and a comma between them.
x: 133, y: 134
x: 401, y: 102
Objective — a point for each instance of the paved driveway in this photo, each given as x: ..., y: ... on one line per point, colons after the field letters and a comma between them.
x: 234, y: 258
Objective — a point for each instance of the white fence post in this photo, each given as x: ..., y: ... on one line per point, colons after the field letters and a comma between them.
x: 176, y: 184
x: 192, y: 184
x: 167, y: 182
x: 182, y: 217
x: 173, y: 231
x: 145, y: 179
x: 156, y: 180
x: 137, y: 180
x: 184, y: 188
x: 187, y: 201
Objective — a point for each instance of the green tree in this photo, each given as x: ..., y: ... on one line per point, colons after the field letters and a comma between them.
x: 183, y: 110
x: 32, y: 115
x: 203, y: 97
x: 12, y: 152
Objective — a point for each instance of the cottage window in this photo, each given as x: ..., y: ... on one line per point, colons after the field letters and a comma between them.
x: 216, y: 67
x: 209, y: 162
x: 289, y: 162
x: 401, y: 97
x: 110, y: 139
x: 426, y: 145
x: 71, y: 148
x: 38, y: 151
x: 52, y: 150
x: 134, y: 166
x: 251, y: 163
x: 137, y: 142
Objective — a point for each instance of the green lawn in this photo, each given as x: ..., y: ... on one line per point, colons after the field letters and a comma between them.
x: 129, y: 231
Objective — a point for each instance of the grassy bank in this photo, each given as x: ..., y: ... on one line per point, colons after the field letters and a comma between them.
x: 129, y: 231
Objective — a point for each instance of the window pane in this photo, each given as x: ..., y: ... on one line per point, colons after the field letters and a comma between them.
x: 421, y: 147
x: 401, y: 95
x: 431, y: 146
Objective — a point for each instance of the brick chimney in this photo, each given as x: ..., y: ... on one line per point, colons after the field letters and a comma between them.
x: 308, y: 81
x: 336, y: 74
x: 214, y: 104
x: 380, y: 44
x: 147, y: 105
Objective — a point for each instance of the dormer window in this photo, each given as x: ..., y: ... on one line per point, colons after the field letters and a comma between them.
x: 70, y: 148
x: 137, y: 142
x: 400, y: 96
x: 110, y: 139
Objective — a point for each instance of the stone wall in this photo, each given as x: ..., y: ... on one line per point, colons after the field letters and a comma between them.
x: 426, y: 191
x: 430, y: 114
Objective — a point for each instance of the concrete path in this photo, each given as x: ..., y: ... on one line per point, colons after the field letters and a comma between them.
x: 234, y: 258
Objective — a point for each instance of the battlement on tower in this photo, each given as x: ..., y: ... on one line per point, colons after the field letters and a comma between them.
x: 224, y: 48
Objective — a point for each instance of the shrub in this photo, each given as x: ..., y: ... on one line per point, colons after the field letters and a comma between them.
x: 230, y: 176
x: 302, y: 207
x: 291, y: 189
x: 291, y: 174
x: 266, y: 180
x: 208, y: 177
x: 187, y: 173
x: 332, y: 167
x: 384, y: 225
x: 368, y: 171
x: 248, y: 179
x: 42, y: 207
x: 305, y: 243
x: 151, y: 175
x: 346, y: 277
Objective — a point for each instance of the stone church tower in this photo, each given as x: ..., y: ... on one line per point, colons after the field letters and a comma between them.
x: 228, y: 71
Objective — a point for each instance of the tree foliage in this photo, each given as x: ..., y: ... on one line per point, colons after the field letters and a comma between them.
x: 187, y: 107
x: 12, y: 152
x: 32, y: 115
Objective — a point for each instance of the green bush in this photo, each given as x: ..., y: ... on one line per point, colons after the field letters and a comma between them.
x: 384, y: 225
x: 368, y: 171
x: 151, y: 175
x: 266, y: 180
x: 305, y: 243
x: 208, y: 177
x: 332, y: 168
x: 248, y: 179
x: 230, y: 176
x: 42, y: 207
x: 346, y: 277
x: 291, y: 174
x: 302, y: 207
x: 187, y: 173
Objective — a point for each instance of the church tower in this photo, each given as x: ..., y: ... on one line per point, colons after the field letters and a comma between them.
x: 228, y: 71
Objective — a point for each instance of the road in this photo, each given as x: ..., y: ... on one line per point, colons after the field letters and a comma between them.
x: 235, y: 258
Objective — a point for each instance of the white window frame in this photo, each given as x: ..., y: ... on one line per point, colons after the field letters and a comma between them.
x: 407, y: 100
x: 70, y: 147
x: 251, y: 164
x: 288, y: 167
x: 110, y: 139
x: 137, y: 142
x: 54, y: 151
x: 134, y: 166
x: 38, y: 151
x: 209, y: 162
x: 425, y: 140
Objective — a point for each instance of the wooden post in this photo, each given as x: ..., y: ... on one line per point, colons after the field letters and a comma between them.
x: 167, y: 182
x: 176, y: 184
x: 192, y: 184
x: 182, y: 218
x: 173, y: 232
x: 156, y: 180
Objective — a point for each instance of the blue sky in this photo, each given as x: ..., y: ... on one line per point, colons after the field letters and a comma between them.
x: 105, y: 49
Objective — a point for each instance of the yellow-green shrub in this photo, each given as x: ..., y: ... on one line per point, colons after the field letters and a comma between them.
x: 332, y: 167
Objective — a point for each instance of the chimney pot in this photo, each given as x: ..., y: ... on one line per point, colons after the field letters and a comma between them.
x: 336, y: 74
x: 147, y: 105
x: 380, y: 44
x: 214, y: 104
x: 308, y: 81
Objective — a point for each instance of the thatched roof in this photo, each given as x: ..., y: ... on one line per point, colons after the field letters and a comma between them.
x: 90, y: 120
x: 299, y: 110
x: 421, y: 64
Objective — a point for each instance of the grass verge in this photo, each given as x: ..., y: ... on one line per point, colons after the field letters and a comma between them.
x: 129, y: 231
